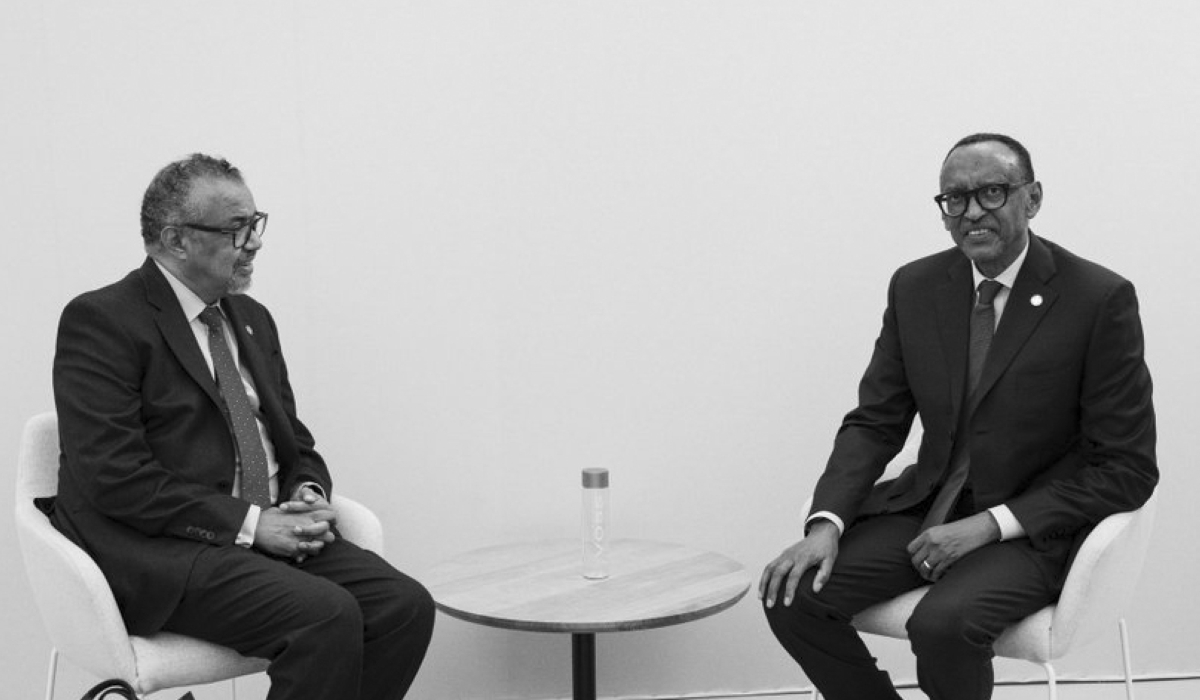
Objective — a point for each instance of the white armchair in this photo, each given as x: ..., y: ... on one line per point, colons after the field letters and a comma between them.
x: 78, y: 608
x: 1098, y: 587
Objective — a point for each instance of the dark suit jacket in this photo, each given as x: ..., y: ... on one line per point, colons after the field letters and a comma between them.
x: 1062, y: 424
x: 148, y: 457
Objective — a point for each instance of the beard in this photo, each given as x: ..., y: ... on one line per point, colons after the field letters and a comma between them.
x: 240, y: 283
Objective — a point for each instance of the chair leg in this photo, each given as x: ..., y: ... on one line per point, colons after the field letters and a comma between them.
x: 52, y: 673
x: 816, y: 694
x: 1052, y: 679
x: 1126, y: 661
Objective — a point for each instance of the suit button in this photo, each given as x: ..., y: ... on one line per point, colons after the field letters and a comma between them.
x: 225, y: 485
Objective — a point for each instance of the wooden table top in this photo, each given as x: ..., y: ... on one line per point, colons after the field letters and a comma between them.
x: 539, y: 586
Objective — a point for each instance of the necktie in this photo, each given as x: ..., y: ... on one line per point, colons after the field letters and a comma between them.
x: 252, y: 457
x: 983, y: 327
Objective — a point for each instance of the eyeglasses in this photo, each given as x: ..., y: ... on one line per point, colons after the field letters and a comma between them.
x: 240, y: 233
x: 990, y: 197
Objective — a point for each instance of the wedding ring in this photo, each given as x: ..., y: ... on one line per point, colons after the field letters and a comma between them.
x: 925, y: 564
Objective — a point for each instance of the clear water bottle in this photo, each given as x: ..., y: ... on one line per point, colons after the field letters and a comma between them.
x: 595, y: 523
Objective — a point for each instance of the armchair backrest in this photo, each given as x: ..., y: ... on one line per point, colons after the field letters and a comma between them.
x: 37, y: 462
x: 1102, y: 577
x: 77, y: 605
x: 72, y: 595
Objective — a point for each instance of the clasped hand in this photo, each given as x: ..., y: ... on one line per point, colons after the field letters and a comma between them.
x: 296, y: 529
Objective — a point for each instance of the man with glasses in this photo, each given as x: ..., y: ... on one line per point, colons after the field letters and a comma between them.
x: 1025, y: 365
x: 188, y: 477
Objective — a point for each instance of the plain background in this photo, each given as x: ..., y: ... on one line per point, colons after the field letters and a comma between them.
x: 511, y: 240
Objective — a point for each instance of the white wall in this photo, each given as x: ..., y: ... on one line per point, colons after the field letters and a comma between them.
x: 512, y: 240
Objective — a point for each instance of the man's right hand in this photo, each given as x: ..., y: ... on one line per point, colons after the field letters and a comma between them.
x: 294, y: 535
x: 819, y: 548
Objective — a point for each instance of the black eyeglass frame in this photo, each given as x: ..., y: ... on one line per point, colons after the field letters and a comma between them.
x: 967, y: 195
x: 250, y: 227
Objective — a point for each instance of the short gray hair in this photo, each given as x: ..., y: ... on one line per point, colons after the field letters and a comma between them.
x: 166, y: 199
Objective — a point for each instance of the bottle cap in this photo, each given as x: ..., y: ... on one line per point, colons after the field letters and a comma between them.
x: 595, y: 478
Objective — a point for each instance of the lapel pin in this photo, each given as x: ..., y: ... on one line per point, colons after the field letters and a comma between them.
x: 1036, y: 300
x: 1039, y: 300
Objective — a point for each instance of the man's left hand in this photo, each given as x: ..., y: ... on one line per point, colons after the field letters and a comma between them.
x: 935, y: 550
x: 307, y: 500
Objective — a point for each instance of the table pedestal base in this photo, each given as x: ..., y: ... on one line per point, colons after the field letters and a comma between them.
x: 583, y: 666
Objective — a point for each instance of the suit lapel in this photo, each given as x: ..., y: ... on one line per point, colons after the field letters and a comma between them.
x: 1028, y: 302
x: 247, y: 341
x: 954, y: 314
x: 249, y: 351
x: 251, y: 355
x: 176, y: 331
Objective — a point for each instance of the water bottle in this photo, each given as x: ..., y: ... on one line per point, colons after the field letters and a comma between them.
x: 595, y: 523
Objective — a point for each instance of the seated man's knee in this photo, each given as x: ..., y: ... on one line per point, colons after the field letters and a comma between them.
x: 939, y: 621
x: 424, y: 607
x: 404, y: 605
x: 335, y: 612
x: 413, y: 605
x: 805, y: 603
x: 423, y: 613
x: 784, y: 620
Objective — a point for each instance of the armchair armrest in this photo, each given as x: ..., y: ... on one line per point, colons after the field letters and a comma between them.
x: 358, y: 524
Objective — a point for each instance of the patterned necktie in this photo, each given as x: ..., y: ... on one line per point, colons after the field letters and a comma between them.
x: 983, y: 327
x: 253, y: 459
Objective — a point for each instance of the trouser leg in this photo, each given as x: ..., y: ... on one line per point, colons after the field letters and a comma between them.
x: 953, y: 628
x: 872, y: 565
x: 398, y: 616
x: 343, y: 625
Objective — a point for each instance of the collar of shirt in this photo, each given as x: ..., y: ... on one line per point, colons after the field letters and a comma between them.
x: 1006, y: 278
x: 192, y: 305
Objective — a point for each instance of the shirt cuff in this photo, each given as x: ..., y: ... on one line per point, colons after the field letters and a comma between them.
x: 245, y: 537
x: 1010, y: 527
x: 826, y: 515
